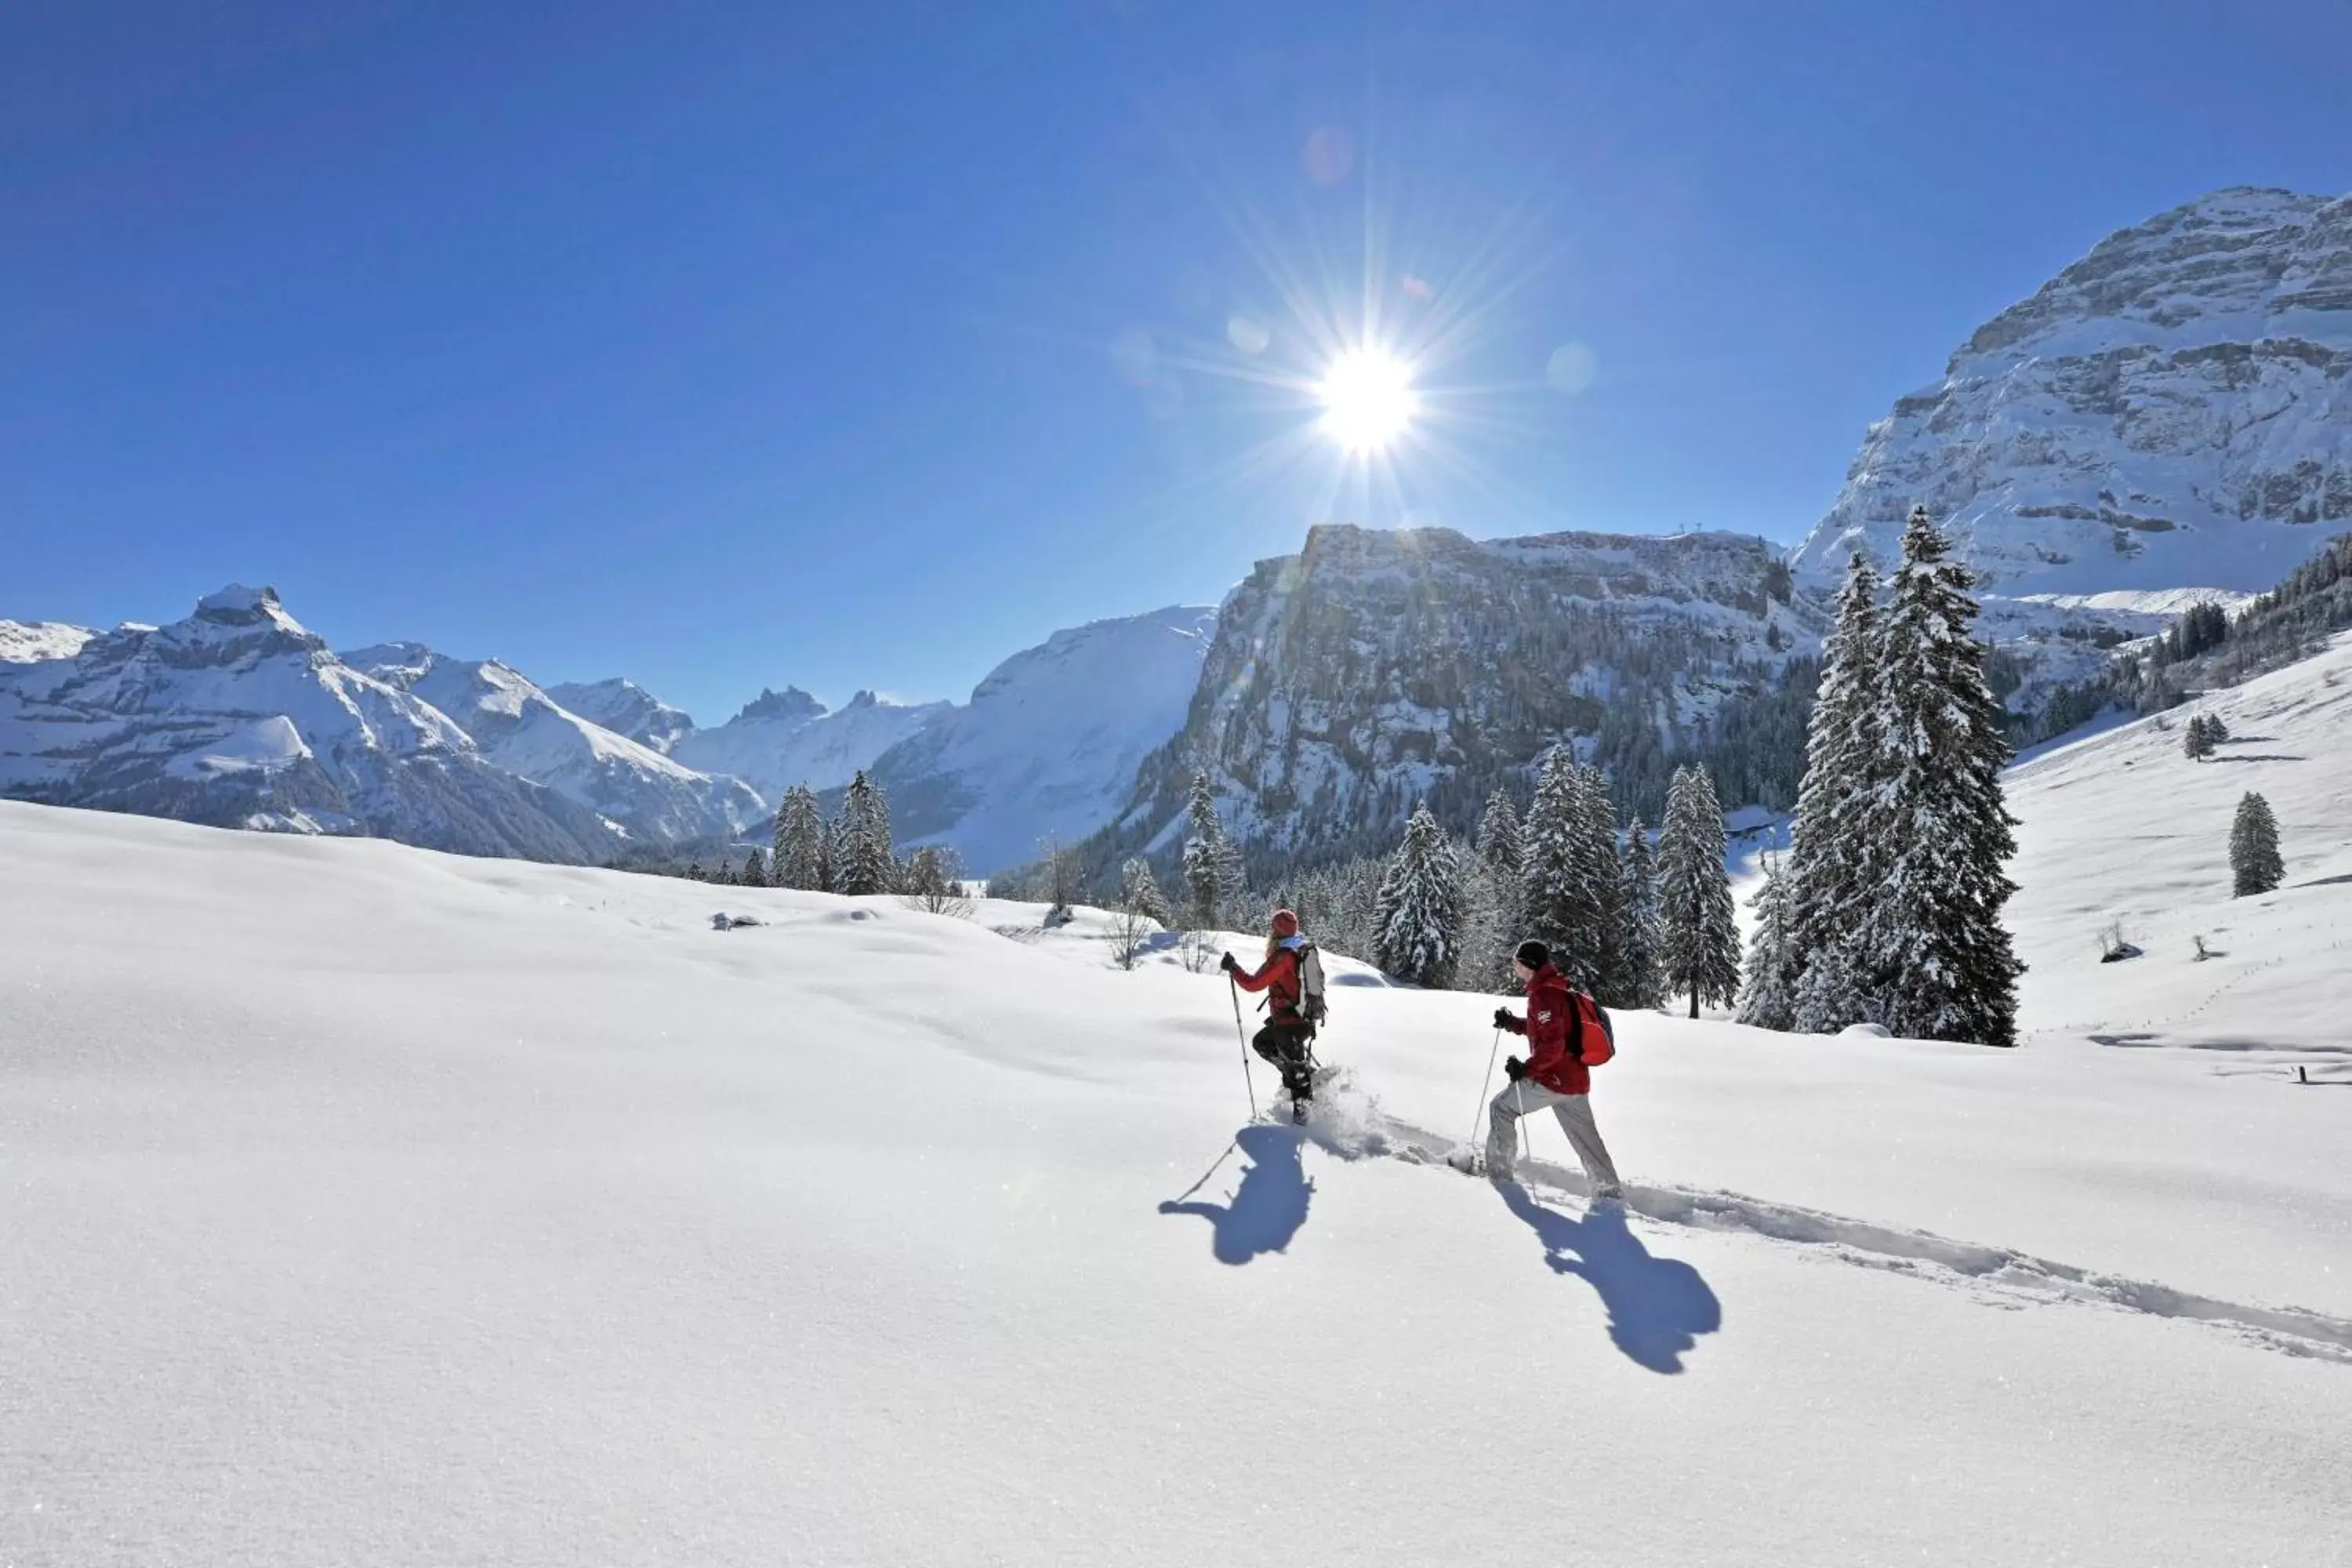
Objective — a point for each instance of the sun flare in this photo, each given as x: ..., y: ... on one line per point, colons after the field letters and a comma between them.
x: 1368, y: 399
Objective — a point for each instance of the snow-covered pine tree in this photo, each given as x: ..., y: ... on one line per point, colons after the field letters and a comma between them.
x: 1419, y: 912
x: 1139, y: 890
x: 1639, y: 901
x: 1934, y: 953
x: 1492, y: 895
x: 1498, y: 836
x: 2215, y: 731
x: 1555, y: 909
x: 1701, y: 932
x: 755, y: 871
x: 2255, y: 863
x: 1830, y: 867
x: 867, y: 865
x: 1770, y: 1002
x: 834, y: 843
x: 1212, y: 865
x: 1603, y: 873
x: 2196, y: 740
x: 799, y: 841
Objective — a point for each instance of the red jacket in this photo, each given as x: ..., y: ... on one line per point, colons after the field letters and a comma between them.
x: 1555, y: 1035
x: 1280, y: 976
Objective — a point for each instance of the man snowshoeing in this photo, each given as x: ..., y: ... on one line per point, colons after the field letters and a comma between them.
x: 1288, y: 1031
x: 1553, y: 1075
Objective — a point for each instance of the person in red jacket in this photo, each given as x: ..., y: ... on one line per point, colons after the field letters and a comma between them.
x: 1283, y: 1040
x: 1553, y: 1075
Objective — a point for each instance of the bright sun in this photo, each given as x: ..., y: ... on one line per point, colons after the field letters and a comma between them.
x: 1368, y: 399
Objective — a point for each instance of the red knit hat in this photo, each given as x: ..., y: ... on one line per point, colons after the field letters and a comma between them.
x: 1284, y: 923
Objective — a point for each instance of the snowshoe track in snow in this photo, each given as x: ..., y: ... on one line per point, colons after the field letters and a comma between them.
x: 1347, y: 1123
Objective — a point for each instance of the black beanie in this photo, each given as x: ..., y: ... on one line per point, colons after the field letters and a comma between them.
x: 1533, y: 953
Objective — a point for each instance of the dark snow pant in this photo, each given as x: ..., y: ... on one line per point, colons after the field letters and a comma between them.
x: 1284, y: 1045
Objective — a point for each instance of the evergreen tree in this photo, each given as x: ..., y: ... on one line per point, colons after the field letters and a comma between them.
x: 1934, y: 953
x: 694, y: 871
x: 1419, y: 910
x: 1605, y: 875
x: 2196, y: 741
x: 867, y: 865
x: 1835, y: 848
x: 1138, y: 891
x: 1558, y: 905
x: 1211, y: 865
x: 2255, y: 865
x: 1701, y: 931
x: 1498, y: 836
x: 1491, y: 919
x: 1770, y: 1002
x: 800, y: 842
x: 1639, y: 901
x: 836, y: 846
x: 2215, y: 731
x: 755, y: 874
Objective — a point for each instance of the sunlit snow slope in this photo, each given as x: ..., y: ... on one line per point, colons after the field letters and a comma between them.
x: 367, y: 1205
x: 2122, y: 829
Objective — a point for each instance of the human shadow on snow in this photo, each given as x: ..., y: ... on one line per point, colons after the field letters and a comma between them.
x: 1269, y: 1206
x: 1657, y: 1305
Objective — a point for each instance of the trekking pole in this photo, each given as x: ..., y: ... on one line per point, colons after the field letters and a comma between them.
x: 1476, y: 1116
x: 1239, y: 1034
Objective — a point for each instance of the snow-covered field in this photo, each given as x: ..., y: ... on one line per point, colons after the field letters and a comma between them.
x: 372, y: 1205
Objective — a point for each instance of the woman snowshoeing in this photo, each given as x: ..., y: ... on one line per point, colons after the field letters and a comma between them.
x: 1288, y: 1032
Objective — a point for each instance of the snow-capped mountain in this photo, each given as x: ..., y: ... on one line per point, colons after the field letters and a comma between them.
x: 2174, y: 411
x: 238, y: 716
x: 626, y: 709
x: 1376, y: 669
x: 1051, y: 739
x: 522, y: 728
x: 786, y: 738
x: 30, y: 642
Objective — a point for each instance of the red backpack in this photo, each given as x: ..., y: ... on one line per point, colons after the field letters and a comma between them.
x: 1596, y: 1032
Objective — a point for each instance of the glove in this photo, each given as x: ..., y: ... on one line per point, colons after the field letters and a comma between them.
x: 1505, y: 1017
x: 1513, y: 1069
x: 1227, y: 965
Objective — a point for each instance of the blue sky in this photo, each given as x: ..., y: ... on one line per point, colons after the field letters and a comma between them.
x: 728, y: 346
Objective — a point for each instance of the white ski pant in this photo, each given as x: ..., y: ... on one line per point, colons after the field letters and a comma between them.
x: 1575, y: 1114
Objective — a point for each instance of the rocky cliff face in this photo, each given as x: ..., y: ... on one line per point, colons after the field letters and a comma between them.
x: 2174, y: 411
x: 1376, y: 669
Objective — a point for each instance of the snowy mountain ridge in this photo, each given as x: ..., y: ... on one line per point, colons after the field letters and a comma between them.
x: 626, y: 709
x: 239, y: 716
x: 784, y: 738
x: 522, y: 728
x: 2173, y: 411
x: 1050, y: 741
x: 31, y: 642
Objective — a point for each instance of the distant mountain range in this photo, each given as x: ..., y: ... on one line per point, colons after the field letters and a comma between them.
x: 241, y: 716
x: 2168, y: 420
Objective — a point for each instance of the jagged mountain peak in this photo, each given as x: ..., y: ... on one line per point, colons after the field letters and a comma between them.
x: 792, y: 705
